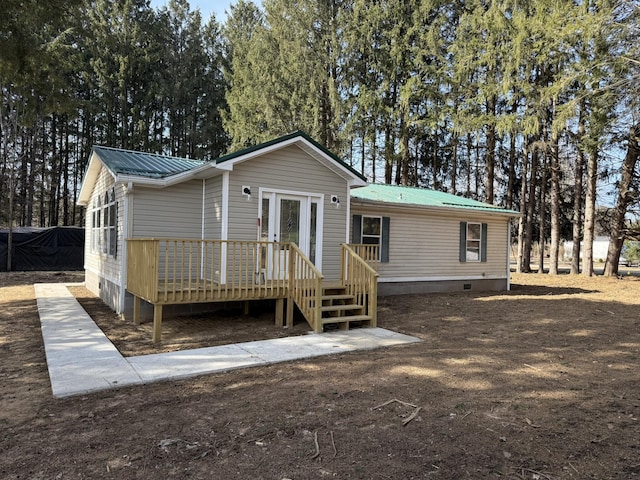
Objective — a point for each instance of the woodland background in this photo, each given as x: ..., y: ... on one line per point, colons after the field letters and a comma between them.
x: 532, y: 105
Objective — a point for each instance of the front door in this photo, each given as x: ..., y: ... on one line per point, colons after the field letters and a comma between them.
x: 294, y: 218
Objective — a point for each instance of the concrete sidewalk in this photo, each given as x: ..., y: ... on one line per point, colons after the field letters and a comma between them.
x: 81, y: 359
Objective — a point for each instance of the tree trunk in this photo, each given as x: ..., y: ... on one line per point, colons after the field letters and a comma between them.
x: 468, y: 195
x: 490, y: 154
x: 522, y: 220
x: 454, y: 164
x: 542, y: 215
x: 590, y: 213
x: 388, y: 155
x: 512, y: 171
x: 404, y: 153
x: 555, y: 206
x: 577, y: 197
x: 625, y: 196
x: 528, y: 237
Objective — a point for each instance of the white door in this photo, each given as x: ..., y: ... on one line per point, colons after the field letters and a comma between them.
x: 291, y: 218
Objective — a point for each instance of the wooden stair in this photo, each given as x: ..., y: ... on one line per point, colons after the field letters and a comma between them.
x: 340, y: 309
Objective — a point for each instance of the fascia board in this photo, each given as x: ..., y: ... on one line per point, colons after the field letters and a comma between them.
x: 304, y: 145
x: 330, y: 162
x: 228, y: 164
x: 90, y: 179
x: 435, y: 208
x: 197, y: 173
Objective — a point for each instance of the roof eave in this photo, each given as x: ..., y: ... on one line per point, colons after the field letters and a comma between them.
x: 90, y: 178
x: 301, y: 140
x: 438, y: 208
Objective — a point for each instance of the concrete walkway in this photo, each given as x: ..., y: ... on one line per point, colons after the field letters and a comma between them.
x: 81, y: 359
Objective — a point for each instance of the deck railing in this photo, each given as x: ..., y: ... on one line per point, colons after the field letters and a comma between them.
x: 305, y: 287
x: 360, y: 280
x: 164, y: 271
x: 370, y: 253
x: 173, y: 271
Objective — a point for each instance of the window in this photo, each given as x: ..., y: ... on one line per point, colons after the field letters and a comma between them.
x: 372, y: 231
x: 104, y: 225
x: 95, y: 226
x: 473, y: 242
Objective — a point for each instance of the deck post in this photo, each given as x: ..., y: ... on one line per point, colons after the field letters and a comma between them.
x: 157, y: 323
x: 136, y: 310
x: 289, y: 312
x: 280, y: 312
x: 245, y: 308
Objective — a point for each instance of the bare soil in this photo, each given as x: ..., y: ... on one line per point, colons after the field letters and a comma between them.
x: 537, y: 383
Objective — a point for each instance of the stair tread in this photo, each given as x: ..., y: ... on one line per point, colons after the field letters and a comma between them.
x: 338, y: 297
x: 334, y: 308
x: 352, y: 318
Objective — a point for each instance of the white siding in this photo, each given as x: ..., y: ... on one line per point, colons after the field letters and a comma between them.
x: 289, y: 169
x: 172, y: 212
x: 425, y: 244
x: 213, y: 208
x: 100, y: 267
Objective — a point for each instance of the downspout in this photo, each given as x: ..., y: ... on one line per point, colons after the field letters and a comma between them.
x: 204, y: 184
x: 348, y: 202
x: 202, y: 234
x: 125, y: 234
x: 224, y: 228
x: 509, y: 225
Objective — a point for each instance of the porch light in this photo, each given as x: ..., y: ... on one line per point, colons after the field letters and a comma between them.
x: 335, y: 200
x: 246, y: 190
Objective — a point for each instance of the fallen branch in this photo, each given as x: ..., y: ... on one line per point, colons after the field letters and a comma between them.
x: 317, y: 454
x: 406, y: 421
x: 394, y: 400
x: 411, y: 417
x: 535, y: 472
x: 333, y: 444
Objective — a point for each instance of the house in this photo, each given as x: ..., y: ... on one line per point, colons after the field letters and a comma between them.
x: 173, y: 231
x: 275, y: 221
x: 432, y: 241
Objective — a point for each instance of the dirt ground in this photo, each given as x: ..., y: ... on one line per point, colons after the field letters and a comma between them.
x: 538, y: 383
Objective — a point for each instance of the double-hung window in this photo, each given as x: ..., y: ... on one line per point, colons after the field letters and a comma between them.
x: 104, y: 224
x: 96, y: 217
x: 111, y: 223
x: 473, y: 242
x: 372, y: 230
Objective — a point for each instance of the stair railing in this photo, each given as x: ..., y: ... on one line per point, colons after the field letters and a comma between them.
x: 359, y: 280
x: 305, y: 287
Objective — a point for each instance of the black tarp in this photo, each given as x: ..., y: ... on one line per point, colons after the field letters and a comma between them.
x: 43, y: 249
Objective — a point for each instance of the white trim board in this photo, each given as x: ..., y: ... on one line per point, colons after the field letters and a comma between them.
x: 442, y: 278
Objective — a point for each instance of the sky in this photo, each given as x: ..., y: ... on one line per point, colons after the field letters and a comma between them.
x: 207, y: 7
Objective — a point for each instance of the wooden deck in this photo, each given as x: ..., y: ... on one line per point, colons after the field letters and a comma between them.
x: 184, y: 271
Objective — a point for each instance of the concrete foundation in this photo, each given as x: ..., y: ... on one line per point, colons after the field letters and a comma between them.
x: 440, y: 286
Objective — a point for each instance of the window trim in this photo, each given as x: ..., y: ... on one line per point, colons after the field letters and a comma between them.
x: 383, y: 245
x: 464, y: 242
x: 104, y: 224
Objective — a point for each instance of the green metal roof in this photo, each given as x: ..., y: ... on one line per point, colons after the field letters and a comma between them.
x: 422, y: 197
x: 144, y: 164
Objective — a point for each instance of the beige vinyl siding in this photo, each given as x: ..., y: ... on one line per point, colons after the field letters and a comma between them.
x: 427, y: 244
x: 101, y: 266
x: 289, y: 169
x: 171, y: 212
x: 96, y: 261
x: 213, y: 208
